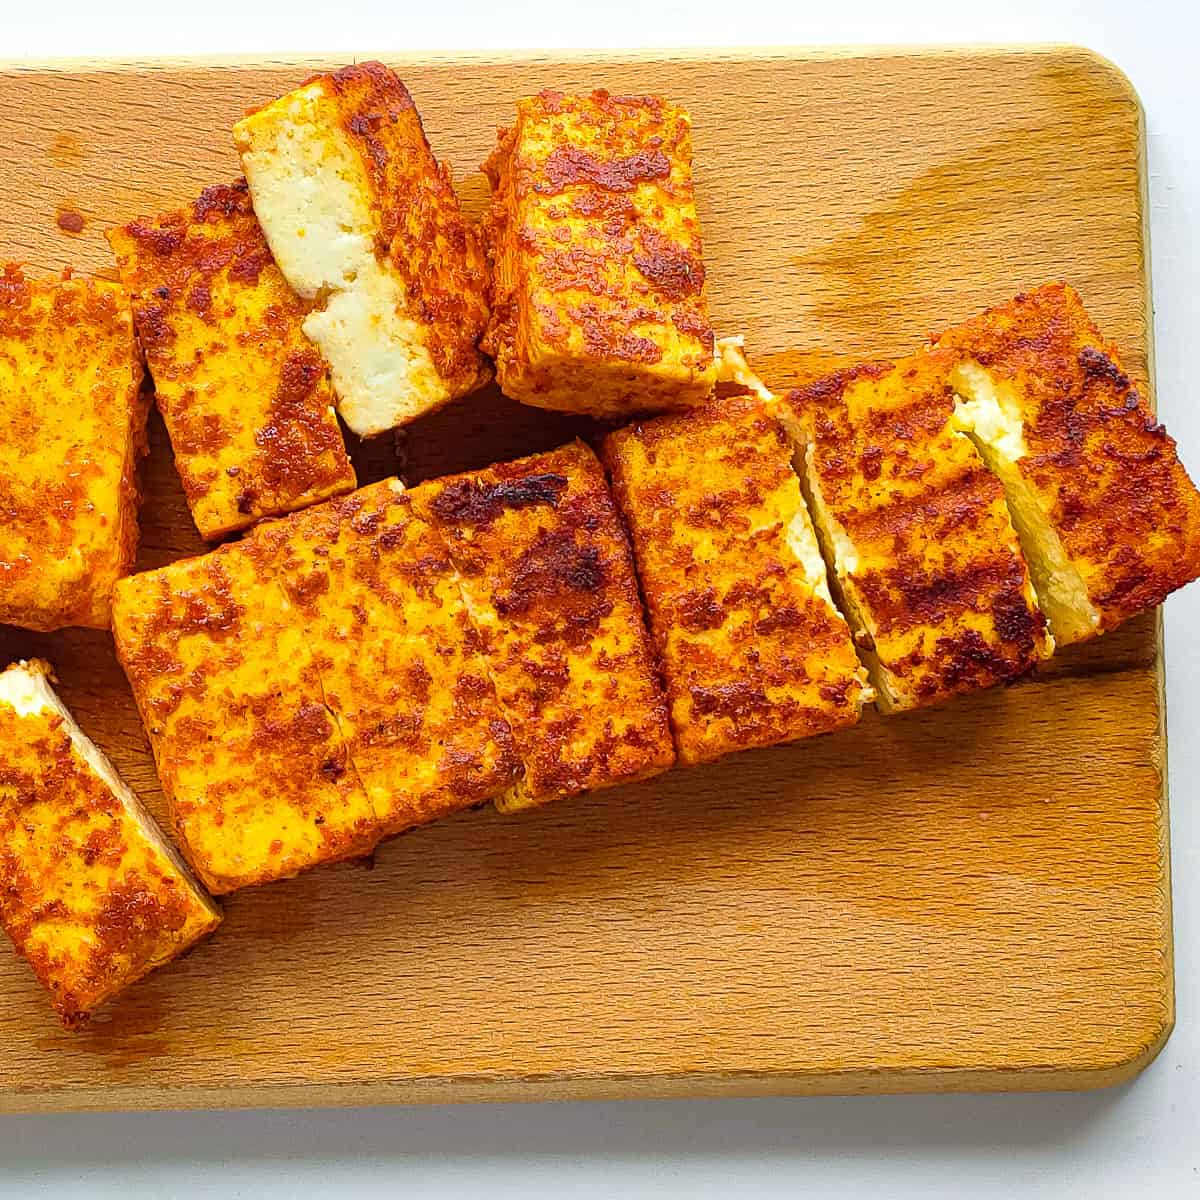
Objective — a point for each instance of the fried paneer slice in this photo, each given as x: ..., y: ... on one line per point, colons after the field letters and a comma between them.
x: 925, y: 561
x: 91, y: 893
x: 548, y: 581
x: 251, y: 760
x: 245, y: 396
x: 364, y: 221
x: 752, y: 649
x: 1108, y: 518
x: 400, y: 664
x: 74, y: 427
x: 598, y: 301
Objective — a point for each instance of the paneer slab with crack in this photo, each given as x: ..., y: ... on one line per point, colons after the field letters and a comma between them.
x: 548, y: 580
x: 925, y: 562
x: 91, y: 893
x: 1109, y: 520
x: 752, y: 649
x: 245, y: 396
x: 598, y: 296
x: 311, y: 689
x: 74, y: 427
x: 364, y: 222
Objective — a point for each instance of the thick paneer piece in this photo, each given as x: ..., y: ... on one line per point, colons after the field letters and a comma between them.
x: 362, y: 219
x: 1109, y: 520
x: 91, y: 893
x: 245, y: 396
x: 752, y: 649
x: 548, y: 580
x: 74, y: 426
x: 598, y: 299
x: 926, y: 564
x: 250, y: 757
x: 400, y: 663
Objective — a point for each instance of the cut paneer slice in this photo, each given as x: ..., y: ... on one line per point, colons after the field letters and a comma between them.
x: 244, y: 394
x: 400, y: 663
x: 548, y: 580
x: 74, y: 427
x: 364, y: 221
x: 311, y: 689
x: 1109, y: 520
x: 598, y: 301
x: 91, y: 893
x: 925, y: 561
x: 752, y: 648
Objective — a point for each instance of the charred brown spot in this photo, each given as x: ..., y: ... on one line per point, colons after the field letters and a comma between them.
x: 476, y: 502
x: 567, y: 165
x: 223, y: 200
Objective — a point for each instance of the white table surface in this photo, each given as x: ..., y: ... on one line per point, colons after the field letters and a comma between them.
x: 1097, y: 1145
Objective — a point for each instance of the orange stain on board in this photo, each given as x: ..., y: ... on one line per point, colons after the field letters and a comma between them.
x: 65, y: 150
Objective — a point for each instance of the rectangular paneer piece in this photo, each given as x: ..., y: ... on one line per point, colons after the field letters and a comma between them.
x: 311, y: 689
x: 245, y: 395
x: 926, y: 564
x: 91, y: 893
x: 546, y: 571
x: 1108, y: 518
x: 364, y: 221
x: 752, y: 648
x: 598, y: 302
x: 74, y: 427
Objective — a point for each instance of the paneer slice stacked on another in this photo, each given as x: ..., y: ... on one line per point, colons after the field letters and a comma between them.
x: 399, y: 661
x: 752, y: 648
x: 364, y: 222
x: 926, y: 564
x: 1109, y: 520
x: 245, y: 396
x: 598, y: 300
x: 311, y: 689
x: 74, y: 427
x: 546, y: 572
x: 91, y: 893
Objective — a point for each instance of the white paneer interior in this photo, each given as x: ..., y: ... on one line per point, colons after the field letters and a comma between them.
x: 311, y: 195
x: 989, y: 413
x: 25, y: 689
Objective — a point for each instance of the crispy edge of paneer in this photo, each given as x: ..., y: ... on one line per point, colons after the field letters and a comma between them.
x: 134, y: 924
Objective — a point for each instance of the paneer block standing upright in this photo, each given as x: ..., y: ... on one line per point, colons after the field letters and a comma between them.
x: 245, y: 396
x: 364, y: 222
x: 925, y: 563
x: 311, y: 689
x: 1109, y: 520
x: 91, y: 893
x: 598, y: 298
x: 546, y: 572
x: 74, y: 427
x: 752, y: 649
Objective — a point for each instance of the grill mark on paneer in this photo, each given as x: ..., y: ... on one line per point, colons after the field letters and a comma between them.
x: 549, y: 584
x: 928, y: 566
x: 245, y: 397
x: 1115, y: 509
x: 752, y: 650
x: 598, y: 279
x: 74, y: 428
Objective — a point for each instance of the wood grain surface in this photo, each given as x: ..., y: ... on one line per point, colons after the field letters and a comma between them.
x: 974, y: 897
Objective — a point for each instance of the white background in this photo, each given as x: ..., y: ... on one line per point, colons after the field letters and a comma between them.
x: 1142, y: 1136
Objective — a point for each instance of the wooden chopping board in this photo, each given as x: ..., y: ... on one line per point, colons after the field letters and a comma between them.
x: 973, y: 897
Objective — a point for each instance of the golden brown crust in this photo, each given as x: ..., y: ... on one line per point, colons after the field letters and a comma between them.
x: 752, y: 653
x: 245, y: 396
x: 422, y: 231
x: 279, y: 680
x: 598, y: 300
x: 1105, y: 473
x: 547, y: 574
x: 938, y: 584
x: 73, y: 429
x: 89, y: 899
